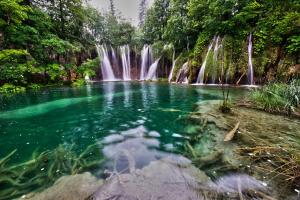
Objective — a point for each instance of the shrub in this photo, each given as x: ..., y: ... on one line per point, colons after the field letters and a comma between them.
x: 9, y: 89
x: 78, y: 83
x: 34, y: 86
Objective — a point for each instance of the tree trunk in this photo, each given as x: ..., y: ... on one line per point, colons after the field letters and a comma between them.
x: 62, y: 19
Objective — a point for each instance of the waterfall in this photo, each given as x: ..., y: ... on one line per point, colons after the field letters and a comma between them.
x: 146, y: 59
x: 250, y: 66
x: 200, y: 79
x: 125, y: 55
x: 173, y: 66
x: 182, y: 74
x: 152, y: 71
x: 215, y: 60
x: 106, y: 68
x: 114, y: 57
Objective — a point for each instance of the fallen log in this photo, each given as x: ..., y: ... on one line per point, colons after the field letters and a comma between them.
x: 229, y: 136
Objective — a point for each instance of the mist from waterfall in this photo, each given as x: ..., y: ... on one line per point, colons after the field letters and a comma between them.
x: 152, y: 75
x: 200, y: 79
x: 106, y: 68
x: 146, y: 61
x: 125, y: 56
x: 250, y: 65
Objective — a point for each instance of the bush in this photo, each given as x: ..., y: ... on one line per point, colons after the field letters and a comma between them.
x: 34, y: 86
x: 14, y: 65
x: 78, y: 83
x: 89, y: 68
x: 9, y: 89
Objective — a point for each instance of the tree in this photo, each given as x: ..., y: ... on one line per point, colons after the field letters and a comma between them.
x: 142, y: 12
x: 112, y: 7
x: 176, y: 31
x: 156, y: 21
x: 67, y: 16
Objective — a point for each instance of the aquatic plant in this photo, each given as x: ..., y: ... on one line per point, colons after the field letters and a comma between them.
x: 44, y: 168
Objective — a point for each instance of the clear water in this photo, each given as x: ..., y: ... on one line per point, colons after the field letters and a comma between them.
x: 80, y: 117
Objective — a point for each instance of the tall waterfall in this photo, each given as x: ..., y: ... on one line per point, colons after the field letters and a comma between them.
x: 152, y: 71
x: 250, y: 65
x: 106, y: 68
x: 173, y: 66
x: 215, y: 60
x: 200, y: 79
x: 146, y: 59
x: 125, y: 55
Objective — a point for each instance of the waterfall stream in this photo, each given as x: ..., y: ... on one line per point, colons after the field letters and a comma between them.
x: 125, y: 55
x: 250, y: 65
x: 152, y: 71
x: 200, y: 79
x: 106, y: 68
x: 146, y: 59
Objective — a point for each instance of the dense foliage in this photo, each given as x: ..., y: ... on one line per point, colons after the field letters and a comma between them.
x: 43, y: 41
x: 46, y: 42
x: 192, y: 24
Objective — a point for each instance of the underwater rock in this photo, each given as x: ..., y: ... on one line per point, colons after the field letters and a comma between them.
x: 167, y: 179
x: 135, y: 132
x: 131, y: 154
x: 112, y: 139
x: 75, y: 187
x: 160, y: 180
x: 153, y: 134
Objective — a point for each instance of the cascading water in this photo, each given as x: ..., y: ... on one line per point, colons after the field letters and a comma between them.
x: 182, y: 74
x: 173, y: 66
x: 106, y: 68
x: 200, y: 79
x: 125, y: 55
x: 215, y: 60
x: 152, y: 71
x: 250, y: 65
x: 146, y: 59
x: 114, y: 57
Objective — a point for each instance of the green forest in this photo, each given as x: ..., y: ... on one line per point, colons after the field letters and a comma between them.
x: 46, y: 42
